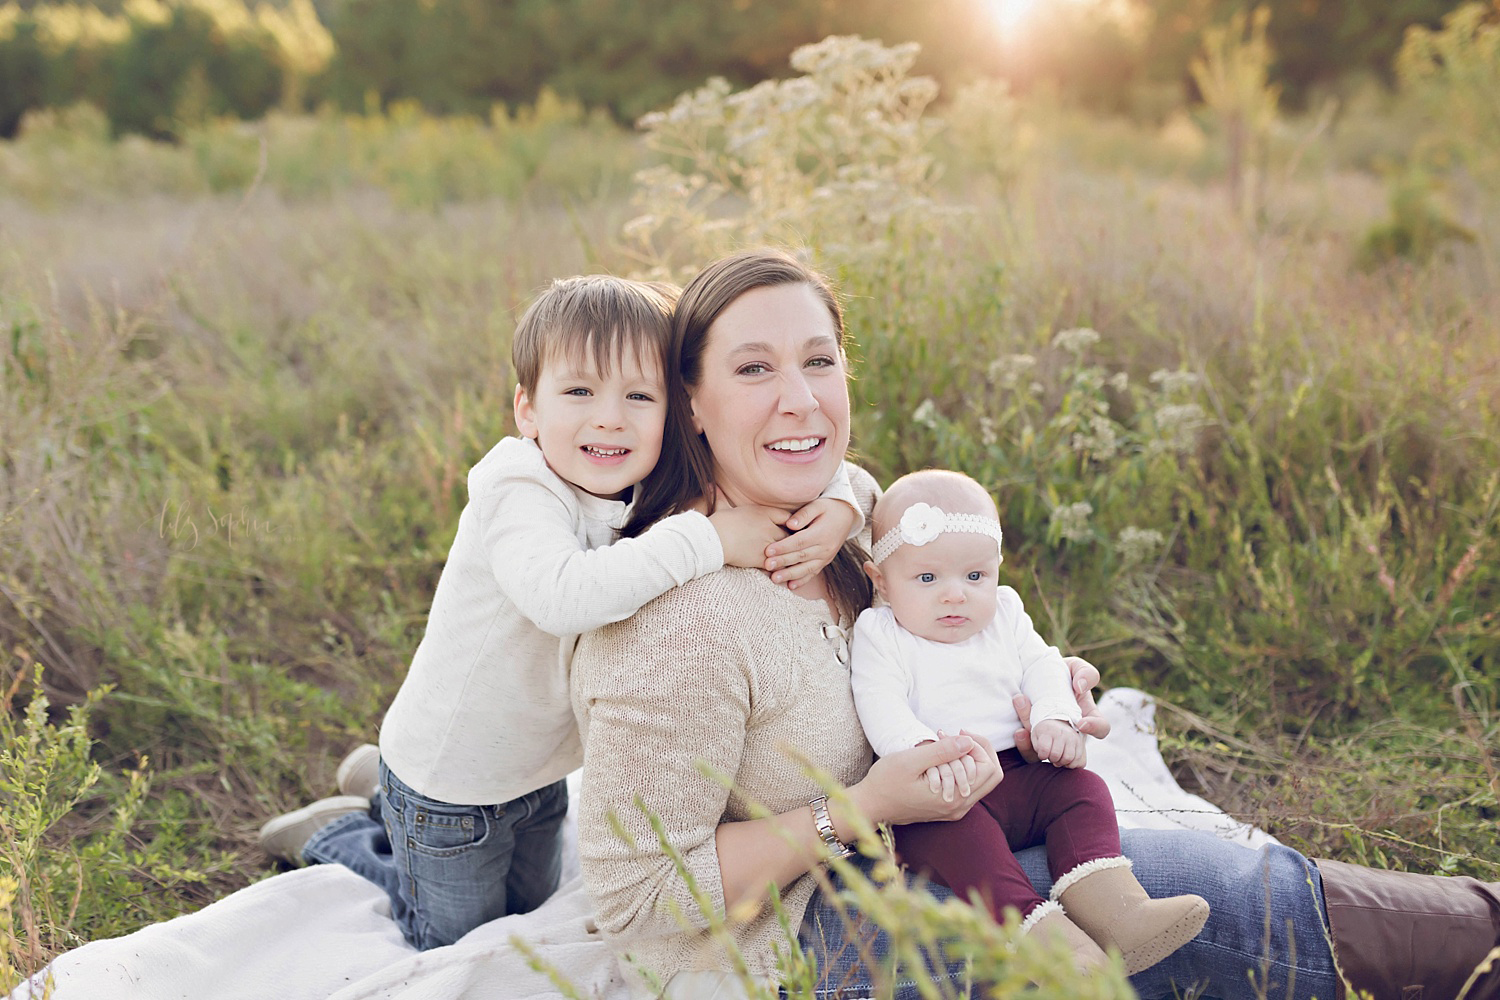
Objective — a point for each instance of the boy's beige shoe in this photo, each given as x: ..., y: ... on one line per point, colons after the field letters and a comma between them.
x: 1055, y: 926
x: 285, y: 836
x: 1112, y: 908
x: 359, y: 772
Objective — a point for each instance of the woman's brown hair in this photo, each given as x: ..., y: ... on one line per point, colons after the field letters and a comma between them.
x: 685, y: 471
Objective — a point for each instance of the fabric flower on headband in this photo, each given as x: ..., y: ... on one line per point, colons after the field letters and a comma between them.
x: 921, y: 523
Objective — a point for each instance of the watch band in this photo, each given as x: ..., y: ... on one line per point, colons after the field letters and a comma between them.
x: 836, y: 847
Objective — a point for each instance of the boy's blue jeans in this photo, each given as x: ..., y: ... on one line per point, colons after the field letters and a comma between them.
x: 449, y: 868
x: 1265, y: 935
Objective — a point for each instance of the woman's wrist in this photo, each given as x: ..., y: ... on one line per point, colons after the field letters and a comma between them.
x: 849, y: 812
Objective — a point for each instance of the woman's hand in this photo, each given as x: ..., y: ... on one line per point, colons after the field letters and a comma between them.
x: 957, y: 776
x: 819, y: 530
x: 1085, y: 678
x: 896, y: 789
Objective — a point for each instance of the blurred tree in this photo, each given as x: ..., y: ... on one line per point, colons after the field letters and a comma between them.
x: 626, y: 56
x: 23, y: 71
x: 1233, y: 75
x: 182, y: 62
x: 1316, y: 41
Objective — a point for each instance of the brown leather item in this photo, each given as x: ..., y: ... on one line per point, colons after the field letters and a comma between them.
x: 1402, y: 936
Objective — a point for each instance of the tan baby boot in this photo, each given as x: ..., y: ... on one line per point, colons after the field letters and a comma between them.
x: 1049, y: 923
x: 1104, y: 898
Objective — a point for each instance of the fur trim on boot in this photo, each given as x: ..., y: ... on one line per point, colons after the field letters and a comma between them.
x: 1112, y: 908
x: 1049, y: 923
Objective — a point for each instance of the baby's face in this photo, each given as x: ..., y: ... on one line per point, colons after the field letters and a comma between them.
x: 944, y: 590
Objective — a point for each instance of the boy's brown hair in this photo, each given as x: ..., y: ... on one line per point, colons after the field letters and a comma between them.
x: 593, y: 317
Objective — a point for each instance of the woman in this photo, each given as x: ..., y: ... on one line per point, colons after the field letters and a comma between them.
x: 688, y: 710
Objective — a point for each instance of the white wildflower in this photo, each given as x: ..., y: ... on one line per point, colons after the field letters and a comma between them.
x: 1076, y: 340
x: 1136, y: 545
x: 1174, y: 383
x: 1099, y: 440
x: 1006, y: 371
x: 1177, y: 427
x: 1119, y: 381
x: 926, y: 414
x: 640, y: 228
x: 1071, y: 521
x: 987, y: 433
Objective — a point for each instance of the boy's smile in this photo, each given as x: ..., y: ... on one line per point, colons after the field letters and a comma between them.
x: 601, y: 432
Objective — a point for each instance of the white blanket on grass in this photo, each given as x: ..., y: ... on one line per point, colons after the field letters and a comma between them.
x: 324, y: 933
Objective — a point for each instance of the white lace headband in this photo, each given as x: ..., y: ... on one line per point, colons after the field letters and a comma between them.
x: 921, y: 523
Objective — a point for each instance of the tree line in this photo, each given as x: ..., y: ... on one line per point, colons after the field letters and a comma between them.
x: 152, y: 65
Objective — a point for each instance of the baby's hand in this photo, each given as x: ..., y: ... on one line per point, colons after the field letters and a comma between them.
x: 1057, y: 743
x: 818, y: 532
x: 956, y: 775
x: 745, y: 531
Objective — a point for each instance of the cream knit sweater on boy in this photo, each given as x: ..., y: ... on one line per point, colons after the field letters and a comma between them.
x: 483, y: 716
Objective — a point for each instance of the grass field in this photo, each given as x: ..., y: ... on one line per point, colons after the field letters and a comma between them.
x: 242, y: 378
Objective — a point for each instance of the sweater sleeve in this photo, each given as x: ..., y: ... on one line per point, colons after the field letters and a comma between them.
x: 866, y: 491
x: 656, y: 714
x: 530, y: 534
x: 1044, y: 676
x: 842, y: 489
x: 882, y: 687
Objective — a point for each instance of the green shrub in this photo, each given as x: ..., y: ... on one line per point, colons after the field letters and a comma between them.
x: 1417, y: 228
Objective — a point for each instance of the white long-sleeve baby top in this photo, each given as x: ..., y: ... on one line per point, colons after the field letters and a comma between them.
x: 906, y: 688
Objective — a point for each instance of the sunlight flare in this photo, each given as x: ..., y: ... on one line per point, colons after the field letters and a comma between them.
x: 1011, y: 14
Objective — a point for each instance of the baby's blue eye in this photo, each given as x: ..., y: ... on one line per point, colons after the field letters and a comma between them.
x: 926, y: 577
x: 976, y: 575
x: 577, y: 391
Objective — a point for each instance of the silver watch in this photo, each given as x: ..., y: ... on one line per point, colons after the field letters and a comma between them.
x: 836, y: 847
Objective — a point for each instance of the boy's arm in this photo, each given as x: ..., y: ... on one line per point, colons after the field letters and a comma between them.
x: 842, y: 490
x: 880, y: 682
x: 531, y: 541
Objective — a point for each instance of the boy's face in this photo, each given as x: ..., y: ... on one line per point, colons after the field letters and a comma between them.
x: 601, y: 433
x: 944, y: 590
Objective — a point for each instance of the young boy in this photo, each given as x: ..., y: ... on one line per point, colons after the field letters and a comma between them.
x: 951, y: 649
x: 475, y: 747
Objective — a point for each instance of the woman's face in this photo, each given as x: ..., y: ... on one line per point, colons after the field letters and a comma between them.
x: 772, y: 398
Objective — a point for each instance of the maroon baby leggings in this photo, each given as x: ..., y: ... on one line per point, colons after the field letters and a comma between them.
x: 1068, y: 809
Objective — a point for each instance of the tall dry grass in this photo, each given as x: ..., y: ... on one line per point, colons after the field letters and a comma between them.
x: 234, y: 429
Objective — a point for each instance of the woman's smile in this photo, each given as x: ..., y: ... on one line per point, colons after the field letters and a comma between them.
x: 797, y: 450
x: 772, y: 400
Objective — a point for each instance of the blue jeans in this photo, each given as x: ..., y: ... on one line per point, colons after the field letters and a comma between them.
x: 449, y: 868
x: 1265, y: 936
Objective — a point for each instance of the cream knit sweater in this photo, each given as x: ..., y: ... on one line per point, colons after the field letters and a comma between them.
x: 725, y: 672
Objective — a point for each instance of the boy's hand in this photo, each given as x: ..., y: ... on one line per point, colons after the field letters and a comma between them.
x: 818, y: 532
x: 745, y: 531
x: 1057, y: 743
